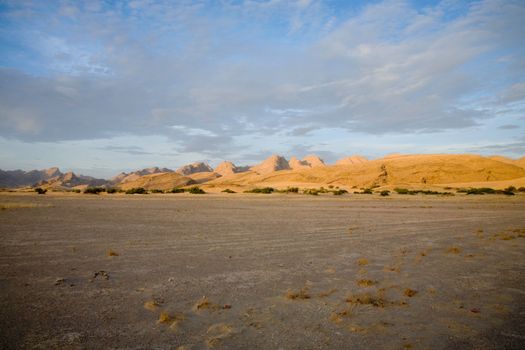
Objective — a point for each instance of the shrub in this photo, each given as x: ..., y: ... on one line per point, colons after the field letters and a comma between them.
x: 196, y: 190
x: 367, y: 191
x: 482, y: 190
x: 137, y: 190
x: 385, y: 193
x: 228, y: 191
x: 330, y: 186
x: 401, y: 190
x: 40, y: 190
x: 507, y: 192
x: 75, y: 190
x: 521, y: 189
x: 111, y: 190
x: 265, y: 190
x: 339, y: 192
x: 311, y: 191
x: 94, y: 190
x: 156, y: 191
x: 290, y: 190
x: 177, y: 190
x: 510, y: 189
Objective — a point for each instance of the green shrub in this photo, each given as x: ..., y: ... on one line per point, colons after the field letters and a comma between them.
x: 75, y: 190
x: 111, y: 190
x: 339, y: 192
x: 156, y: 191
x: 94, y: 190
x: 401, y: 190
x: 367, y: 191
x: 40, y: 190
x: 228, y: 191
x: 521, y: 189
x: 330, y: 186
x: 385, y: 193
x: 265, y: 190
x: 177, y: 190
x: 137, y: 190
x: 196, y: 190
x: 507, y: 192
x: 510, y: 189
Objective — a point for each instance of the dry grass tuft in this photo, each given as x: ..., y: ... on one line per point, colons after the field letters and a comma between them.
x: 367, y: 299
x: 356, y: 329
x: 172, y: 320
x: 151, y: 305
x: 5, y: 206
x: 366, y: 283
x: 409, y: 292
x: 218, y: 332
x: 454, y: 250
x: 338, y: 317
x: 205, y: 304
x: 111, y: 252
x: 327, y: 293
x: 298, y: 295
x: 164, y: 317
x: 509, y: 234
x: 392, y: 268
x: 362, y: 261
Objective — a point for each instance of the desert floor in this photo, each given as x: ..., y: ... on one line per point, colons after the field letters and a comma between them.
x: 262, y: 272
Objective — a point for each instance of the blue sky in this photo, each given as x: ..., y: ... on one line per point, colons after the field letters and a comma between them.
x: 104, y: 86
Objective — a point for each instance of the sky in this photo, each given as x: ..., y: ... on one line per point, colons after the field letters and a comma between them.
x: 99, y: 87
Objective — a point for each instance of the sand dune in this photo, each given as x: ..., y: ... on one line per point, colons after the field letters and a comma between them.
x: 161, y: 181
x: 401, y: 169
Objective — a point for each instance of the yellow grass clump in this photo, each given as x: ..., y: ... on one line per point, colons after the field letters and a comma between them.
x: 302, y: 294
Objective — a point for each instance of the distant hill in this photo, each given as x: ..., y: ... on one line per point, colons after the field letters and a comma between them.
x: 354, y: 171
x: 125, y: 177
x: 355, y: 159
x: 197, y: 167
x: 159, y: 181
x: 271, y: 164
x: 393, y: 170
x: 21, y: 178
x: 70, y: 180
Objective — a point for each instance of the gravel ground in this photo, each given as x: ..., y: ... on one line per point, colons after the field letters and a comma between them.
x: 261, y: 272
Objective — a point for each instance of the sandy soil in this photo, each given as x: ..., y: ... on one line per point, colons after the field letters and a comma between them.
x: 261, y: 272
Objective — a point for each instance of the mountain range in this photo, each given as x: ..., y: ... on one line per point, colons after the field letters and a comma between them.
x: 277, y: 171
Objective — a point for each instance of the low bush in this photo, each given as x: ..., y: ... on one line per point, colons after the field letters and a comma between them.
x: 94, y: 190
x: 482, y: 190
x: 196, y: 190
x: 367, y: 191
x: 40, y: 190
x: 385, y: 193
x: 137, y: 190
x: 291, y: 190
x: 228, y: 191
x: 265, y: 190
x: 155, y: 190
x: 111, y: 190
x: 311, y: 191
x: 427, y: 192
x: 177, y: 190
x: 521, y: 189
x: 339, y: 192
x: 75, y: 190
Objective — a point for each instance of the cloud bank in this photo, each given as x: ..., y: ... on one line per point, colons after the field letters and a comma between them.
x: 211, y: 75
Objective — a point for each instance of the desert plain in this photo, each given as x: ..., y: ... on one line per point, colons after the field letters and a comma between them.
x: 249, y: 271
